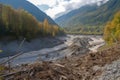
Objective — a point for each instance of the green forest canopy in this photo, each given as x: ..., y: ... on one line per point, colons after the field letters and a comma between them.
x: 20, y: 23
x: 112, y: 29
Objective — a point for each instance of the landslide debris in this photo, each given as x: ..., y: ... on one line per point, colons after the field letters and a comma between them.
x: 79, y: 46
x: 91, y: 66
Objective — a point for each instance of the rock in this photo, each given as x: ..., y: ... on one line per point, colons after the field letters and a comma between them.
x: 95, y: 68
x: 111, y: 71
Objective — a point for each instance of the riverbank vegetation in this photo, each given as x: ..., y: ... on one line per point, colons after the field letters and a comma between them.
x: 19, y: 23
x: 112, y: 30
x: 87, y: 30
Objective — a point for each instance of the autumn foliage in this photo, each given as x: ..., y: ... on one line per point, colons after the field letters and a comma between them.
x: 20, y: 23
x: 112, y: 29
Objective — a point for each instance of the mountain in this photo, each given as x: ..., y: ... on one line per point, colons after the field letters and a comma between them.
x: 63, y: 20
x: 17, y: 25
x: 89, y: 16
x: 28, y: 7
x: 21, y: 24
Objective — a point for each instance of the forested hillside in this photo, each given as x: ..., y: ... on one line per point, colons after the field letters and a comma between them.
x: 112, y: 29
x: 19, y: 23
x: 32, y: 9
x: 89, y: 18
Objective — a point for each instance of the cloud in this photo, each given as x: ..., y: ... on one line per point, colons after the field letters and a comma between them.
x: 58, y: 7
x: 55, y: 10
x: 50, y: 3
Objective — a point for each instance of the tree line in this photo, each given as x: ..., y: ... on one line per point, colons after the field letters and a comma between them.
x: 20, y: 23
x: 97, y: 30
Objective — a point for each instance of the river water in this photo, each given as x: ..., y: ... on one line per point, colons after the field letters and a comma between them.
x: 55, y: 52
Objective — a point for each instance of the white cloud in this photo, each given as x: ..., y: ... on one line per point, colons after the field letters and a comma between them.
x: 63, y: 6
x: 50, y: 3
x: 55, y: 10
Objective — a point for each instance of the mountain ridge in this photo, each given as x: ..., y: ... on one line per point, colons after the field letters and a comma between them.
x: 26, y: 5
x: 90, y: 16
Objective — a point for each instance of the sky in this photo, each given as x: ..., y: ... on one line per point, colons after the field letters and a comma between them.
x: 56, y: 8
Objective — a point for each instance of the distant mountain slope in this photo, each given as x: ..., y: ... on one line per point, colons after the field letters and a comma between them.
x: 65, y: 19
x: 90, y: 15
x: 28, y: 7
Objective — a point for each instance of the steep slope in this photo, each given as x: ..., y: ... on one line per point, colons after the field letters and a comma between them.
x: 65, y: 19
x: 28, y: 7
x: 19, y: 23
x: 90, y: 15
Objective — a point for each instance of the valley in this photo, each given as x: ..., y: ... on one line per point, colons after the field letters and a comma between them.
x: 59, y: 39
x: 89, y: 19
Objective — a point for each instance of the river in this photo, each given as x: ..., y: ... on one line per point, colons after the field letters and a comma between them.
x: 56, y: 52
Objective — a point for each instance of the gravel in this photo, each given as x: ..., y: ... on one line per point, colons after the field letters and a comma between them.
x: 111, y: 71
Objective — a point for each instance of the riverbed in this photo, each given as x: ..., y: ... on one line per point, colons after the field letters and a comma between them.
x: 59, y: 51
